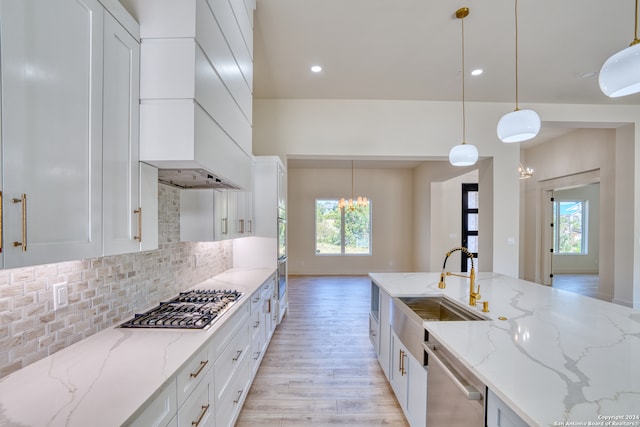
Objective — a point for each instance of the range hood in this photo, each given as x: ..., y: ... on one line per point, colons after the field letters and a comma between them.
x: 189, y: 179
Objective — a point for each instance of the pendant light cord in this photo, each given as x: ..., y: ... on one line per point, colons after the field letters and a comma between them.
x: 635, y: 38
x: 464, y: 122
x: 351, y: 179
x: 516, y: 13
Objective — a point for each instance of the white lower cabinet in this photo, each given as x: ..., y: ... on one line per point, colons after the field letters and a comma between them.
x: 409, y: 382
x: 380, y: 326
x: 198, y: 409
x: 161, y: 412
x: 210, y: 389
x: 500, y: 415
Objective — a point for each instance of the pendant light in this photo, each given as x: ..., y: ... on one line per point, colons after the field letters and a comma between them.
x: 463, y: 154
x: 353, y: 202
x: 620, y: 74
x: 518, y: 125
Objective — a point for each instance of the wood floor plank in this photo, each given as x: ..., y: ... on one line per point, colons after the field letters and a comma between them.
x: 320, y: 368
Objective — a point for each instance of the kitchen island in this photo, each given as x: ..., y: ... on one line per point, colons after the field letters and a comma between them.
x: 109, y: 378
x: 556, y: 359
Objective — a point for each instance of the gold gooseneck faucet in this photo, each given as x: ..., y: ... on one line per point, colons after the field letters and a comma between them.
x: 474, y: 295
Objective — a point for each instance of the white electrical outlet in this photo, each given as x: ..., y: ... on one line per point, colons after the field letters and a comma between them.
x: 60, y: 295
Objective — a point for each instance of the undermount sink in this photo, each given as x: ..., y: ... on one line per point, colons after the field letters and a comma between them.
x: 438, y: 309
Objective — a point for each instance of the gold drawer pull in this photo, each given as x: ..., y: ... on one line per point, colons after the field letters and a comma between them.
x: 22, y: 200
x: 239, y: 396
x: 257, y: 324
x: 235, y: 359
x: 196, y: 373
x: 139, y: 213
x: 196, y: 423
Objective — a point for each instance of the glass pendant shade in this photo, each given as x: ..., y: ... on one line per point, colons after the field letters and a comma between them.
x: 620, y: 74
x: 463, y: 155
x: 518, y: 126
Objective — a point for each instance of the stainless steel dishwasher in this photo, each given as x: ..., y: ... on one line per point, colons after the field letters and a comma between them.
x: 455, y: 397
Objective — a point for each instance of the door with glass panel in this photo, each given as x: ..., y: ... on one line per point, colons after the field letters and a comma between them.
x: 469, y: 232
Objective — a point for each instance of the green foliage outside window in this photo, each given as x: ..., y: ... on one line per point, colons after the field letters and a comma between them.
x: 342, y: 231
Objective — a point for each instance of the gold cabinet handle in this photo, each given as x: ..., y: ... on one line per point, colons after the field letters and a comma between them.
x: 196, y: 373
x: 402, y: 370
x: 241, y: 226
x: 235, y: 359
x: 257, y: 355
x: 239, y: 396
x: 225, y: 226
x: 23, y: 201
x: 250, y: 226
x: 197, y: 422
x: 139, y: 213
x: 269, y: 306
x: 256, y: 325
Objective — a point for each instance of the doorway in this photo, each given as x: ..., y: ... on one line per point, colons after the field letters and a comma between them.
x: 573, y: 238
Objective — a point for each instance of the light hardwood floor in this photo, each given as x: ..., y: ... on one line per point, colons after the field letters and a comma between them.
x: 320, y: 368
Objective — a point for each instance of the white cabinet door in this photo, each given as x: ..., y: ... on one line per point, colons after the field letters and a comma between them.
x: 52, y: 133
x: 416, y: 393
x: 197, y: 216
x: 398, y: 372
x: 149, y: 205
x: 408, y: 379
x: 122, y: 213
x: 501, y: 415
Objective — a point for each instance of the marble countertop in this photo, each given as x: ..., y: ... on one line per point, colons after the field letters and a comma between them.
x: 104, y: 379
x: 558, y: 359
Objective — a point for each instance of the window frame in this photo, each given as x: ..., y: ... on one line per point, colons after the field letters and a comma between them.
x: 343, y: 216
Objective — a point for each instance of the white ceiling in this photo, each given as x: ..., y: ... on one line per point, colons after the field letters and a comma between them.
x: 411, y: 49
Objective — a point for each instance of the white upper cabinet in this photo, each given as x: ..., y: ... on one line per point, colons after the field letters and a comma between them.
x: 52, y: 68
x: 73, y: 186
x: 130, y: 188
x: 120, y: 140
x: 196, y: 86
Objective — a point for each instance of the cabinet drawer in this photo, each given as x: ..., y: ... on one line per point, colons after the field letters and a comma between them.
x: 230, y: 360
x: 193, y: 372
x: 198, y: 409
x: 257, y: 348
x: 256, y: 324
x: 256, y: 299
x: 160, y: 411
x: 229, y: 329
x: 230, y: 402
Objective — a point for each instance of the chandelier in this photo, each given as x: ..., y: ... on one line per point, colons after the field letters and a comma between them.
x: 353, y: 202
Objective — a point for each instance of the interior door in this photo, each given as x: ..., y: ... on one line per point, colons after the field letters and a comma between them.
x: 469, y: 232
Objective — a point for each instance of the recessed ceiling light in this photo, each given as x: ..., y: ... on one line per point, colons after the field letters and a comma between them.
x: 316, y: 68
x: 476, y: 72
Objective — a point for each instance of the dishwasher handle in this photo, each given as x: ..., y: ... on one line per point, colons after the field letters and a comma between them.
x: 469, y: 391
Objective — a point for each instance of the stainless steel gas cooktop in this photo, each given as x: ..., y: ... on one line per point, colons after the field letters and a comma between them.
x: 190, y: 310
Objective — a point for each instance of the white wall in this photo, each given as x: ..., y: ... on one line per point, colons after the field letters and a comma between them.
x: 557, y: 166
x: 391, y: 195
x: 428, y: 130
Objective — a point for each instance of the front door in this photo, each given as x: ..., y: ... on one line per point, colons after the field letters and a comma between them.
x: 469, y: 225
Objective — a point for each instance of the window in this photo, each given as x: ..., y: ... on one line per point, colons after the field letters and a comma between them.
x: 342, y: 231
x: 570, y: 219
